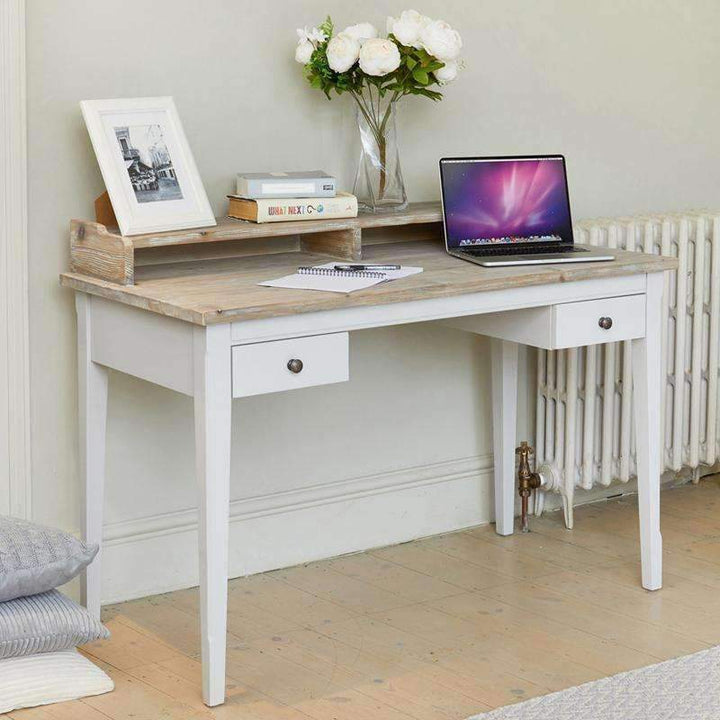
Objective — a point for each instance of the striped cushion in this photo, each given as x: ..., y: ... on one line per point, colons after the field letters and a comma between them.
x: 45, y: 623
x: 49, y: 678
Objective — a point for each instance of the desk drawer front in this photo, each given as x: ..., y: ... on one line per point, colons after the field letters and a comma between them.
x: 599, y: 321
x: 289, y: 364
x: 564, y: 325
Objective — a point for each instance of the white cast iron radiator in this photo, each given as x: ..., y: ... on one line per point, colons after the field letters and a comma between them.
x: 584, y: 424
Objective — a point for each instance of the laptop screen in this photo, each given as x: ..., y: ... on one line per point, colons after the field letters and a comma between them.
x: 505, y: 201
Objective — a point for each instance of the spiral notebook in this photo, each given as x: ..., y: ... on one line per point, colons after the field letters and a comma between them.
x: 325, y: 277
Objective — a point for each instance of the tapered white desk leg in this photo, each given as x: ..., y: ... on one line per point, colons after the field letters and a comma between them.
x: 647, y: 354
x: 92, y: 417
x: 504, y: 360
x: 213, y: 403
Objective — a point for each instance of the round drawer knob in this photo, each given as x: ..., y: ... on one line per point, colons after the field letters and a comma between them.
x: 605, y: 323
x: 295, y: 365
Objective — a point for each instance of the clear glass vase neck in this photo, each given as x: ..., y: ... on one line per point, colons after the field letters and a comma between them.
x: 379, y: 185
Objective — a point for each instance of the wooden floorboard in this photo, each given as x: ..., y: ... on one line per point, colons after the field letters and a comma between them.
x: 439, y: 628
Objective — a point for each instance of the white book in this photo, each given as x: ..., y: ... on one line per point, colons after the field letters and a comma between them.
x: 325, y: 277
x: 311, y: 183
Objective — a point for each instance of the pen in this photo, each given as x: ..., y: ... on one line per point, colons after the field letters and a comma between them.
x: 349, y: 268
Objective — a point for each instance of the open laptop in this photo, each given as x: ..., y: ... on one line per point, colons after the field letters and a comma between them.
x: 500, y: 211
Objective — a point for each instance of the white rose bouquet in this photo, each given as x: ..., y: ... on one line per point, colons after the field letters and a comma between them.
x: 417, y: 56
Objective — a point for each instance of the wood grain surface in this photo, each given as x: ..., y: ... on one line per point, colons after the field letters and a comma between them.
x: 226, y: 290
x: 100, y: 250
x: 233, y: 229
x: 97, y: 252
x: 436, y: 629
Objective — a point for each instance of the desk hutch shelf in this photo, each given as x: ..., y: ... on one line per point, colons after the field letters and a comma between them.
x: 100, y: 251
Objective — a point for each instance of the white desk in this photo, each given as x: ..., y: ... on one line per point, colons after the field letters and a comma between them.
x: 207, y: 330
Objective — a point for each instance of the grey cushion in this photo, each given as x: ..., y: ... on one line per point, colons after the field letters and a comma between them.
x: 35, y: 558
x: 45, y: 623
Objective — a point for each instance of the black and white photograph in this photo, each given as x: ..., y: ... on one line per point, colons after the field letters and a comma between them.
x: 142, y: 140
x: 148, y: 163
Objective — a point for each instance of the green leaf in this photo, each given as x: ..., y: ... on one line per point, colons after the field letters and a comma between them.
x: 411, y: 62
x: 421, y: 76
x: 424, y: 57
x: 327, y: 26
x: 431, y: 94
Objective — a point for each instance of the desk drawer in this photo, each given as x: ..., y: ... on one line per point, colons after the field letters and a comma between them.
x: 599, y: 321
x: 554, y: 327
x: 289, y: 364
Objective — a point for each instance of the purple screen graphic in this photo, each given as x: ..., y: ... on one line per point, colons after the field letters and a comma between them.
x: 505, y: 201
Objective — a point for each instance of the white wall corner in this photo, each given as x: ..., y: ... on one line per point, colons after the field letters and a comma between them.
x: 15, y: 486
x: 158, y: 554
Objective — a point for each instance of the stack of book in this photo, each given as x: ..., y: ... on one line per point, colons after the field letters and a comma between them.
x: 278, y: 197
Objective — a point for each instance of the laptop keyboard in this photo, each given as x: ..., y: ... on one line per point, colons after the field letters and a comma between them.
x: 510, y: 250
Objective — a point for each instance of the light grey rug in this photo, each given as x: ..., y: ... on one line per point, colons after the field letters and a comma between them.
x: 687, y: 688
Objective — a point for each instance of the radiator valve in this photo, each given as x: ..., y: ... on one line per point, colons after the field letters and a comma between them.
x: 527, y: 481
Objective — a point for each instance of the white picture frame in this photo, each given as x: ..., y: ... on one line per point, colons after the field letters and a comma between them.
x: 147, y: 165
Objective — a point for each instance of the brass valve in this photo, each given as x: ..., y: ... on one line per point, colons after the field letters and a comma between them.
x: 527, y: 480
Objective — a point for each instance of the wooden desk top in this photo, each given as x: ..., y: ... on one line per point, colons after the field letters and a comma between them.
x: 217, y: 291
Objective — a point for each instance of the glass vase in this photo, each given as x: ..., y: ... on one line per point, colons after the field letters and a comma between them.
x: 379, y: 185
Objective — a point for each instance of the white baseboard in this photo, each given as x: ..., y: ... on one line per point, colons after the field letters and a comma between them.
x: 158, y: 554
